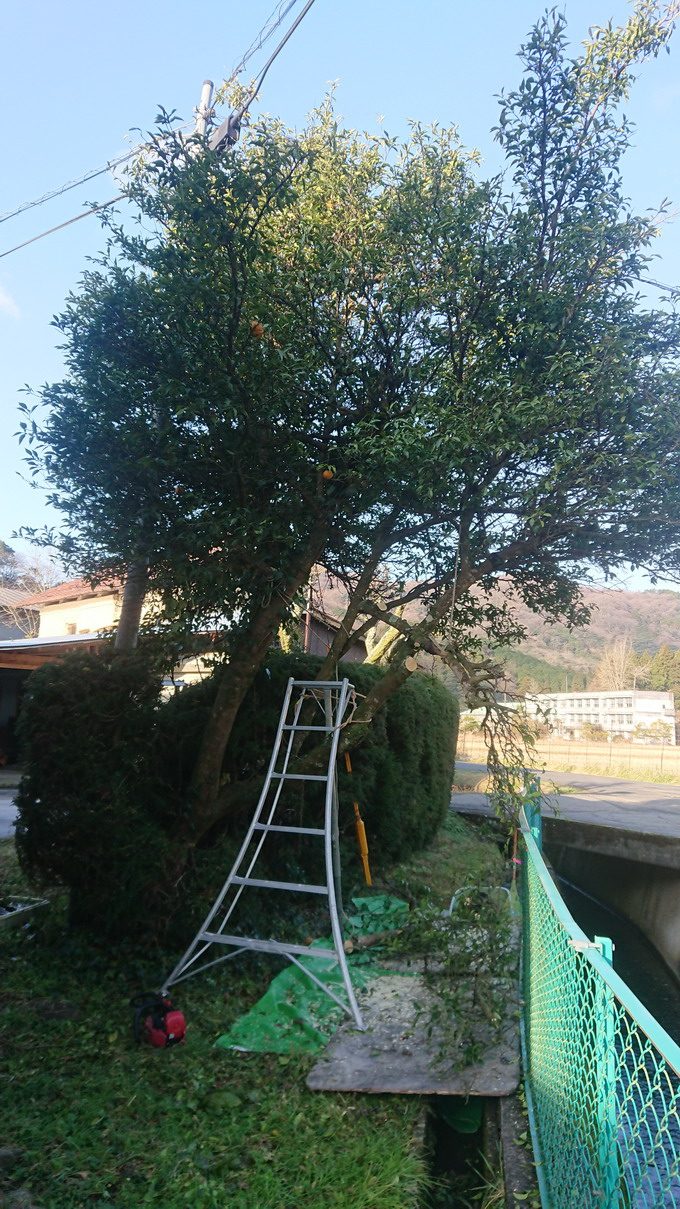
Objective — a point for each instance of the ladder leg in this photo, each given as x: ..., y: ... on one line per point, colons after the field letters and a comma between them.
x: 191, y: 955
x: 335, y: 828
x: 334, y: 702
x: 332, y: 854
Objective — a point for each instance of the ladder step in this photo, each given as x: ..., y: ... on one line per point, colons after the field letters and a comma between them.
x: 317, y: 684
x: 265, y: 884
x: 289, y: 830
x: 298, y: 776
x: 324, y: 729
x: 265, y: 946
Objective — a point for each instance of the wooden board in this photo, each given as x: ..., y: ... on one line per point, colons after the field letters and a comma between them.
x: 403, y: 1052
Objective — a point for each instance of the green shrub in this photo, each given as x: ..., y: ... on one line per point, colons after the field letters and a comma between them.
x: 87, y: 799
x: 108, y: 767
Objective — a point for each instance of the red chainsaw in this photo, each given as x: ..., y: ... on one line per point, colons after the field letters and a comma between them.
x: 157, y: 1022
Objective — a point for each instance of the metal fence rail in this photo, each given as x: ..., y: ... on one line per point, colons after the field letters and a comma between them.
x: 602, y: 1077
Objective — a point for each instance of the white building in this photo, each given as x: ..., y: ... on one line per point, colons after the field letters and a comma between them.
x: 618, y: 713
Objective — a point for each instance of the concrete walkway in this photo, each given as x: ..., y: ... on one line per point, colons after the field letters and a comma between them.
x: 647, y: 809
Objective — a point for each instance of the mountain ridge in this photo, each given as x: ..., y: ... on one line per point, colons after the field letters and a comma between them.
x: 554, y: 656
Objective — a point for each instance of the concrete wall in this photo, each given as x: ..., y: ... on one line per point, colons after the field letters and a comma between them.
x: 640, y: 882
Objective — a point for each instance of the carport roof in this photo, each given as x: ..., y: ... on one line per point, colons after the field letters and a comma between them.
x: 29, y: 653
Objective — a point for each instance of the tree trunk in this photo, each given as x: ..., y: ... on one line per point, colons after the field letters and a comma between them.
x: 136, y: 585
x: 343, y: 638
x: 244, y: 664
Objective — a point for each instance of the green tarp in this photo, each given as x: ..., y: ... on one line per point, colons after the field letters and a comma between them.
x: 294, y: 1016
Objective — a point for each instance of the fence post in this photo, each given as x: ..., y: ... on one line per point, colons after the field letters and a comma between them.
x: 606, y: 1084
x: 532, y: 791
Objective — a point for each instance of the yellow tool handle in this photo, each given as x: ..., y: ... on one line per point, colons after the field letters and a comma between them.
x: 363, y: 844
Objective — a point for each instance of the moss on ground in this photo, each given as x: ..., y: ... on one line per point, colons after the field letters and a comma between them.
x: 463, y: 854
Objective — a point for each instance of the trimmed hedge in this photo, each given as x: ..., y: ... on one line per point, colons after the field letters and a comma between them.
x: 89, y: 794
x: 108, y: 765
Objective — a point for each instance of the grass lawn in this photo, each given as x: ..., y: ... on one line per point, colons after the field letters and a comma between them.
x: 100, y: 1122
x: 620, y: 771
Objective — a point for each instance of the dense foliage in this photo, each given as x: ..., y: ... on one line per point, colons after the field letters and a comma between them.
x: 322, y: 347
x: 88, y: 800
x: 103, y: 805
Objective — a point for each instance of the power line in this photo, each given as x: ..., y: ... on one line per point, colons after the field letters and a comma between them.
x: 278, y: 50
x: 61, y: 225
x: 658, y: 285
x: 277, y: 16
x: 90, y: 176
x: 226, y: 133
x: 280, y: 12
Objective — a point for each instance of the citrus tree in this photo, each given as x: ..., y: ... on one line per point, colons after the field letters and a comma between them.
x: 327, y: 348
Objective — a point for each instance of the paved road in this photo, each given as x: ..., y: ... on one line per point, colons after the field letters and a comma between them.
x: 7, y: 813
x: 608, y: 801
x: 628, y: 805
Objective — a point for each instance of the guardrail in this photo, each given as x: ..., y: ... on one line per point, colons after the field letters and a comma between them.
x: 602, y: 1078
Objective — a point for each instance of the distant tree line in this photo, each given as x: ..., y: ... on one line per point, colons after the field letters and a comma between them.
x: 620, y: 668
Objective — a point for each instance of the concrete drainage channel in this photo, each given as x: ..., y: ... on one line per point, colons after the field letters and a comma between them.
x: 478, y: 1154
x: 477, y: 1146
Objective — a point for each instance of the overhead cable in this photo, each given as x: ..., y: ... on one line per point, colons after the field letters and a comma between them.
x: 89, y: 176
x: 280, y: 13
x: 658, y: 285
x: 279, y: 48
x: 61, y: 225
x: 228, y: 132
x: 272, y: 23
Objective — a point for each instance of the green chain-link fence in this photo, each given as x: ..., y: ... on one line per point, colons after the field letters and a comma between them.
x: 602, y: 1076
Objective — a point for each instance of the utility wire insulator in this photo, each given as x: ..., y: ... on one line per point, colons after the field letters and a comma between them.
x: 227, y: 134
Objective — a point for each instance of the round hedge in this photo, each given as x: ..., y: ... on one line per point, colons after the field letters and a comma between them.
x: 108, y: 766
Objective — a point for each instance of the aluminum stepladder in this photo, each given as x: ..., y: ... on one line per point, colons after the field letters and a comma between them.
x: 332, y: 698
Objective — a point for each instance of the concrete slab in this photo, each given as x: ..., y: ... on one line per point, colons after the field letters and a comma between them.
x: 404, y: 1051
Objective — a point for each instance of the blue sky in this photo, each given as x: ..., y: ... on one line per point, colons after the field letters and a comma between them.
x: 77, y: 78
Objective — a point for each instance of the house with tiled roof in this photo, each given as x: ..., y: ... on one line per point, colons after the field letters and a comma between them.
x: 76, y: 616
x: 68, y: 617
x: 75, y: 607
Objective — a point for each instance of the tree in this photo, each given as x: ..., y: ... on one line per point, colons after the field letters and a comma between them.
x: 358, y: 353
x: 26, y: 574
x: 655, y: 732
x: 593, y: 732
x: 469, y: 725
x: 619, y: 667
x: 664, y: 670
x: 8, y: 566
